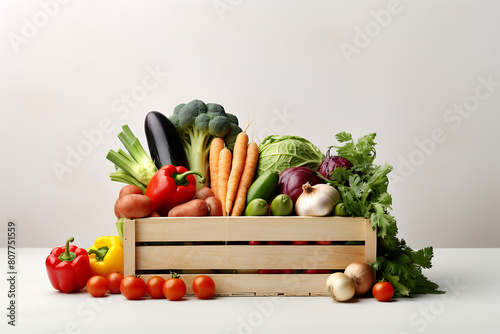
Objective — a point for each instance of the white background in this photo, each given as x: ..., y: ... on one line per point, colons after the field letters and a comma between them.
x: 66, y: 70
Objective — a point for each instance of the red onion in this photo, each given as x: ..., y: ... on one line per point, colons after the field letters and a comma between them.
x: 292, y: 179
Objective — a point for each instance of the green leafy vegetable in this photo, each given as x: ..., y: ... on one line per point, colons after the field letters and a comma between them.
x: 277, y: 153
x: 363, y: 189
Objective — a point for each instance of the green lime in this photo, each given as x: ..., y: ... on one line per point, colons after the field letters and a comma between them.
x: 340, y: 210
x: 282, y: 205
x: 257, y: 207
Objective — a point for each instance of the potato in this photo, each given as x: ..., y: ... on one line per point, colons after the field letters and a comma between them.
x: 214, y: 206
x: 193, y: 208
x: 135, y: 206
x: 130, y: 189
x: 204, y: 193
x: 117, y: 212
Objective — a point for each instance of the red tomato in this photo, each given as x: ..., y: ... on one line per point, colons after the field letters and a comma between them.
x: 252, y: 243
x: 133, y: 287
x: 269, y: 271
x: 383, y: 291
x: 114, y: 280
x: 317, y: 271
x: 300, y: 242
x: 97, y: 286
x: 155, y: 287
x: 174, y: 288
x: 323, y: 242
x: 275, y: 271
x: 287, y: 271
x: 203, y: 286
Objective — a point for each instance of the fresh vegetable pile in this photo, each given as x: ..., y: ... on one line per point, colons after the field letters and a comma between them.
x: 201, y: 163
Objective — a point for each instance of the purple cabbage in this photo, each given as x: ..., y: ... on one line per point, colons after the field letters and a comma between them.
x: 330, y: 163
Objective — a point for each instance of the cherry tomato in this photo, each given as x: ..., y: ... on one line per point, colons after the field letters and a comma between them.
x: 203, y: 286
x: 383, y: 291
x: 133, y: 287
x: 269, y: 271
x: 286, y: 271
x: 317, y: 271
x: 252, y: 243
x: 97, y: 286
x: 300, y: 242
x: 114, y: 280
x: 174, y: 288
x: 155, y: 287
x: 275, y: 271
x: 275, y: 243
x: 323, y: 242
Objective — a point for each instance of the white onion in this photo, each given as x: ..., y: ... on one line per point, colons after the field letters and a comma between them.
x: 332, y: 278
x: 340, y: 287
x: 362, y: 276
x: 318, y: 200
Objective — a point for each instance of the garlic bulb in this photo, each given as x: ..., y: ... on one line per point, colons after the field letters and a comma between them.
x: 318, y: 200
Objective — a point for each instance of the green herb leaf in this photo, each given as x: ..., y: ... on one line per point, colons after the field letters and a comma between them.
x: 363, y: 189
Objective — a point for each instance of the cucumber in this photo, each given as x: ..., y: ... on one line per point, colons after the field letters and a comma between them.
x: 164, y: 142
x: 257, y: 207
x: 282, y: 205
x: 263, y: 187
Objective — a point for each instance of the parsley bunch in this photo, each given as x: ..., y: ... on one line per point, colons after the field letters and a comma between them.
x: 363, y: 189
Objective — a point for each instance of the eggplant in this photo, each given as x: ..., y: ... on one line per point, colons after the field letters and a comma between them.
x: 164, y: 143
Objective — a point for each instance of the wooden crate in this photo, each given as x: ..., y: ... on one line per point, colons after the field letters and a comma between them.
x: 153, y: 246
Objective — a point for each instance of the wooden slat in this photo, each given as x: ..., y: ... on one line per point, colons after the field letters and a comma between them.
x: 319, y: 294
x: 250, y: 228
x: 370, y: 243
x: 128, y: 247
x: 261, y: 285
x: 247, y: 257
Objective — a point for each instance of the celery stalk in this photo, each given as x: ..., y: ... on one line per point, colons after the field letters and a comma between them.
x: 137, y: 167
x: 122, y: 176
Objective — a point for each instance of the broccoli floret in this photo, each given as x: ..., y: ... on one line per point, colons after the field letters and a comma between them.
x: 230, y: 138
x: 202, y: 122
x: 178, y: 108
x: 188, y: 113
x: 197, y: 124
x: 214, y: 109
x: 232, y: 119
x: 219, y: 126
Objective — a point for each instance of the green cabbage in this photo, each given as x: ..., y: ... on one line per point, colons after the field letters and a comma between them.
x: 277, y: 153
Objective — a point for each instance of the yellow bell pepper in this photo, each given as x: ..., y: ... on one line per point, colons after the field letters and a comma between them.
x: 106, y: 256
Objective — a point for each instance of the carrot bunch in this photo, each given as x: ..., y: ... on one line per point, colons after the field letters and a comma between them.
x: 232, y: 174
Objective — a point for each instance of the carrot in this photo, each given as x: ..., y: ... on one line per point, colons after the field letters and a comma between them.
x: 239, y: 156
x: 215, y: 147
x: 223, y: 176
x: 246, y: 179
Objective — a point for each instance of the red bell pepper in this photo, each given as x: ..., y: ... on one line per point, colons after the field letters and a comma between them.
x: 171, y: 186
x: 68, y: 267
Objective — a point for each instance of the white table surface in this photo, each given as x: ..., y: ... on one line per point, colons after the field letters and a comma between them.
x: 471, y: 278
